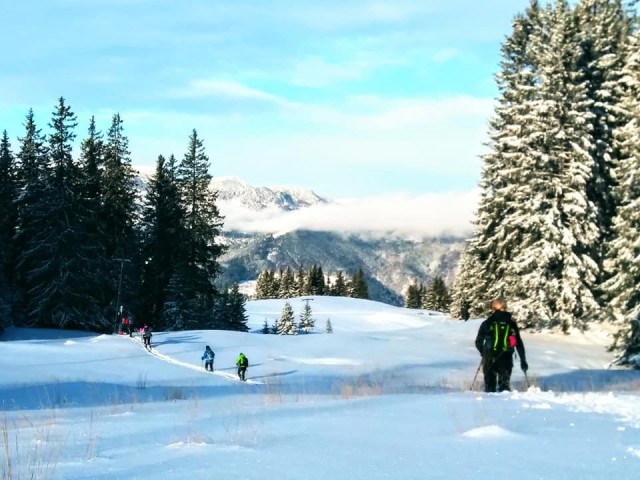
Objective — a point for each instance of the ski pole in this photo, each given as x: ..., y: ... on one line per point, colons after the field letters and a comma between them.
x: 526, y: 379
x: 476, y: 375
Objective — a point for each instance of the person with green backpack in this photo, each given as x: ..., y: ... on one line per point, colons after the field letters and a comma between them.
x: 242, y: 363
x: 498, y: 337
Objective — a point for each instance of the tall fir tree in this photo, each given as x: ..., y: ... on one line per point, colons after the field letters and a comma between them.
x: 230, y: 310
x: 97, y: 282
x: 237, y: 312
x: 359, y: 287
x: 56, y: 295
x: 287, y: 284
x: 8, y: 225
x: 509, y: 132
x: 436, y: 296
x: 555, y: 261
x: 119, y: 215
x: 199, y: 251
x: 32, y: 178
x: 413, y: 297
x: 341, y: 287
x: 162, y: 232
x: 460, y: 306
x: 621, y: 290
x: 538, y: 234
x: 301, y: 282
x: 603, y: 27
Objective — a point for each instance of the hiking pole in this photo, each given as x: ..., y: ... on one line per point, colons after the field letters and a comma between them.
x: 477, y: 371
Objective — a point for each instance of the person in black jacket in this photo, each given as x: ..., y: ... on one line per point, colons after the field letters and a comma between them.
x: 498, y: 337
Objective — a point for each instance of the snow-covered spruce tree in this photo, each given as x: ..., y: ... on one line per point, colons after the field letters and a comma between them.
x: 286, y: 322
x: 556, y: 260
x: 198, y: 252
x: 341, y: 287
x: 603, y: 27
x: 8, y: 224
x: 119, y: 213
x: 265, y: 327
x: 268, y: 285
x: 162, y: 229
x: 32, y: 177
x: 301, y: 283
x: 307, y: 323
x: 287, y: 284
x: 538, y: 232
x: 460, y: 306
x: 436, y: 296
x: 262, y: 285
x: 513, y: 133
x: 622, y: 264
x: 413, y: 297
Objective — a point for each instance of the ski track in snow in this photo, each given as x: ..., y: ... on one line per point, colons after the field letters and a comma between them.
x: 155, y: 353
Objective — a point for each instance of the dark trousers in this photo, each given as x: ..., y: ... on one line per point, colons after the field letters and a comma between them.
x: 497, y: 371
x: 241, y: 373
x: 147, y: 340
x: 208, y: 365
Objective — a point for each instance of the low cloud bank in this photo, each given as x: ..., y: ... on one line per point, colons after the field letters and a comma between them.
x: 409, y: 215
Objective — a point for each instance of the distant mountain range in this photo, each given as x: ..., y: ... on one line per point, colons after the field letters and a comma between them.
x: 391, y: 262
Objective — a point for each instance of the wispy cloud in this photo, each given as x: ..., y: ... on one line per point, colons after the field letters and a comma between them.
x: 199, y: 88
x: 415, y: 216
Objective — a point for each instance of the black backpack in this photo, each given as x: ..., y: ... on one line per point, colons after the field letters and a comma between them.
x: 245, y: 362
x: 501, y: 337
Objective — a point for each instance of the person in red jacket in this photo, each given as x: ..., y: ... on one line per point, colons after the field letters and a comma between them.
x: 497, y: 339
x: 126, y: 325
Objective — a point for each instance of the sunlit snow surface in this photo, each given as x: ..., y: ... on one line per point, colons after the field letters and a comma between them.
x: 386, y: 396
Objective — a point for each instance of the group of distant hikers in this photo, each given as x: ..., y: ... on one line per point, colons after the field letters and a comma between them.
x: 208, y: 357
x: 126, y: 328
x: 497, y: 340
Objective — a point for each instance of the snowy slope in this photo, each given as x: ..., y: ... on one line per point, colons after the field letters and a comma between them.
x: 385, y: 396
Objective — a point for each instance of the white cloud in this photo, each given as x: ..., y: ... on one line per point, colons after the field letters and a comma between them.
x: 218, y: 88
x: 416, y: 216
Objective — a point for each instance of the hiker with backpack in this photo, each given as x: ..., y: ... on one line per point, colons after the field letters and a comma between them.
x: 126, y: 326
x: 208, y: 358
x: 146, y: 336
x: 498, y: 337
x: 242, y: 363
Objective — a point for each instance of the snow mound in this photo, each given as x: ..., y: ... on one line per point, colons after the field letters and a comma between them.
x: 489, y: 431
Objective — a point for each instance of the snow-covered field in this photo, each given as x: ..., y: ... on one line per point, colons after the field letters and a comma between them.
x: 386, y: 396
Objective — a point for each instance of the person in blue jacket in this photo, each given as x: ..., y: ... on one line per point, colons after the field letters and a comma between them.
x: 208, y: 358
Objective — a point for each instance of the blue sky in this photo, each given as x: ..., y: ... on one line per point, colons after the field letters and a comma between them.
x: 348, y: 98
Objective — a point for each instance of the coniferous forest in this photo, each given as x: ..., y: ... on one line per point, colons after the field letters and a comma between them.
x: 83, y: 245
x: 557, y: 227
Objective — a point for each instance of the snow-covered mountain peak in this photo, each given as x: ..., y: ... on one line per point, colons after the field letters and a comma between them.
x: 232, y: 189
